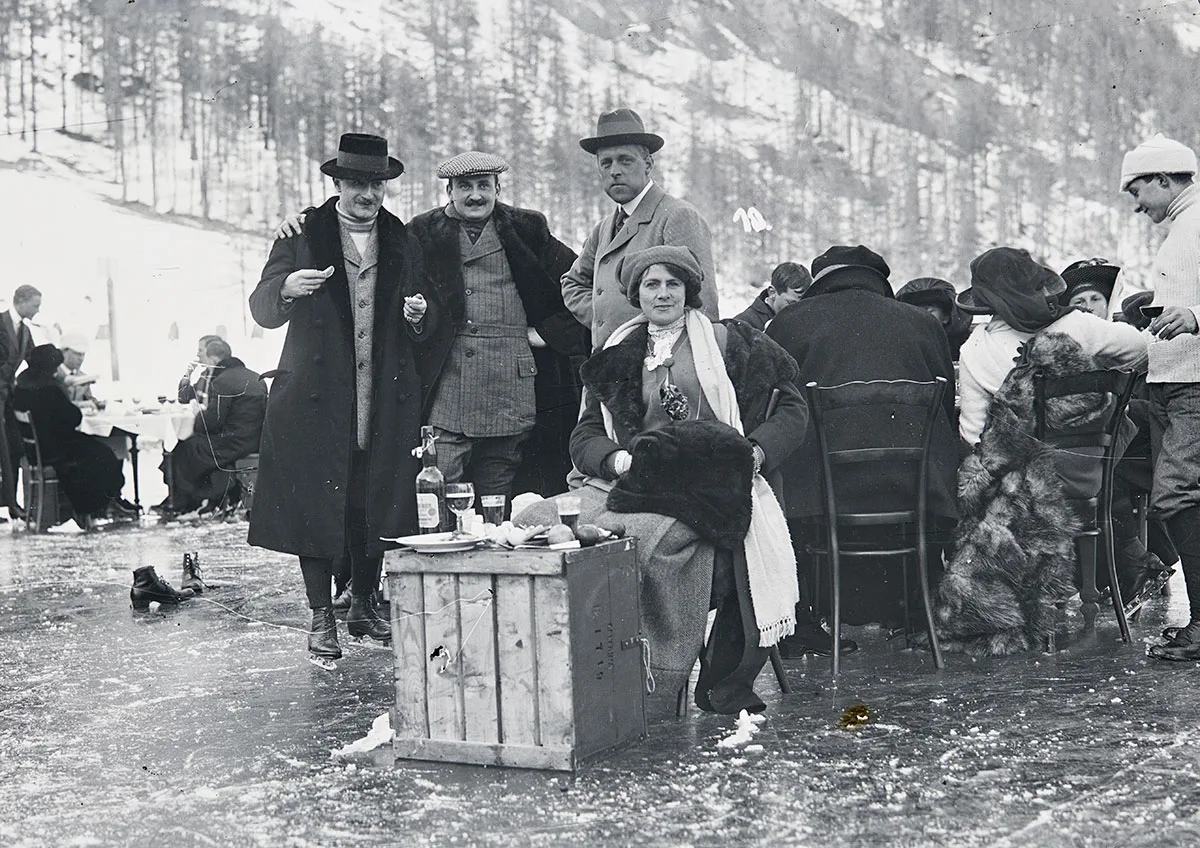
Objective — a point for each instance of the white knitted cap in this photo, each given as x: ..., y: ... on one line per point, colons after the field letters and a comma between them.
x: 74, y: 341
x: 1158, y: 155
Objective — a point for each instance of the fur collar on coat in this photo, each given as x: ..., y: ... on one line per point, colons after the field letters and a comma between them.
x: 755, y: 366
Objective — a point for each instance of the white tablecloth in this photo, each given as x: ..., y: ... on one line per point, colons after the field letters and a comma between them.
x: 168, y: 425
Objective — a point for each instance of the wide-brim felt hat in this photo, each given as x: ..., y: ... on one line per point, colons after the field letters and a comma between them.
x: 1004, y: 268
x: 1094, y: 274
x: 621, y: 126
x: 363, y: 157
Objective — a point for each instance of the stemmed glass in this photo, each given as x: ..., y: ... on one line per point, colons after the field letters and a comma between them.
x: 460, y: 497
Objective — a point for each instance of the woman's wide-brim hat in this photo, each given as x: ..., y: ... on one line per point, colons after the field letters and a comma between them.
x: 1094, y: 274
x: 363, y: 157
x: 621, y: 126
x: 1004, y: 270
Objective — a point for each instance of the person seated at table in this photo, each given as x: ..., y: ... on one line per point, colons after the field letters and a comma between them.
x: 74, y: 347
x: 1014, y: 553
x: 194, y: 384
x: 936, y: 296
x: 227, y: 429
x: 788, y: 283
x: 661, y: 443
x: 89, y: 473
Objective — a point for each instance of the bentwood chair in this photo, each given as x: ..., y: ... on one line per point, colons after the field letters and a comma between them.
x: 45, y: 503
x: 891, y: 406
x: 1094, y: 441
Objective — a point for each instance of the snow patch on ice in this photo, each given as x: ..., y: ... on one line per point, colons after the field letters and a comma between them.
x: 744, y: 730
x: 380, y: 733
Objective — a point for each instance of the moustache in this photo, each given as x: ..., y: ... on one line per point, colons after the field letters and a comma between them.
x: 476, y: 202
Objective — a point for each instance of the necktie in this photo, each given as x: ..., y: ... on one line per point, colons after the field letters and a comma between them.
x: 622, y: 217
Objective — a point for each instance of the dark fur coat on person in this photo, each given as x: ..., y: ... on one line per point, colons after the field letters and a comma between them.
x: 1014, y: 552
x: 698, y: 472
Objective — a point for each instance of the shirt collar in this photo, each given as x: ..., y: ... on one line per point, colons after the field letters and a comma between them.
x: 632, y: 205
x: 16, y: 319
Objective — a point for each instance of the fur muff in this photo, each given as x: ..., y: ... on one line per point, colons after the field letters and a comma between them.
x: 1014, y: 552
x: 698, y: 472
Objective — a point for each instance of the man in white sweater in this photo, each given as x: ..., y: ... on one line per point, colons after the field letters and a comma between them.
x: 1160, y: 175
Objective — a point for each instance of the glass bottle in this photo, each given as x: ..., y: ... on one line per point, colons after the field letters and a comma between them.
x: 431, y: 486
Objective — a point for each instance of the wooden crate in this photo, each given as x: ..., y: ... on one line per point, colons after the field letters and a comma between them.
x: 516, y: 658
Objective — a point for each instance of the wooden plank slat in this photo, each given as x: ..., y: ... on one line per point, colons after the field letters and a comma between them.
x: 409, y: 719
x: 441, y: 647
x: 477, y: 663
x: 552, y: 622
x: 519, y: 717
x: 553, y: 758
x: 479, y: 561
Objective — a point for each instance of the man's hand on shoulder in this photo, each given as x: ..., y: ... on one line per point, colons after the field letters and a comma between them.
x: 293, y: 225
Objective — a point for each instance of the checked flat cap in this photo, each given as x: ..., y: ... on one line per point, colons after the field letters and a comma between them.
x: 473, y: 163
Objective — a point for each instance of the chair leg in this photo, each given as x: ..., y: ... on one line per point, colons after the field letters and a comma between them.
x: 927, y: 600
x: 904, y: 588
x: 1110, y: 559
x: 681, y: 701
x: 777, y: 666
x: 1085, y: 546
x: 835, y: 597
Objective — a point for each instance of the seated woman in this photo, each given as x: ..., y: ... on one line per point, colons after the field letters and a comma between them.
x: 1016, y: 527
x: 88, y: 471
x: 660, y: 441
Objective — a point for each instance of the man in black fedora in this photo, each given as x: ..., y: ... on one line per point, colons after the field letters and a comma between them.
x: 336, y: 471
x: 644, y: 216
x: 848, y: 326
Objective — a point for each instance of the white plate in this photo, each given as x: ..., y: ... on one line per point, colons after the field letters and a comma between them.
x: 436, y: 543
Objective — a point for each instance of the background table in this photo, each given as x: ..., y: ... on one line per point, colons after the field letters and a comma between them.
x: 169, y: 424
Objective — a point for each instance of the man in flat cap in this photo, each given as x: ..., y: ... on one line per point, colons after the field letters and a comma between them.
x: 644, y: 216
x: 1160, y: 174
x: 336, y: 472
x: 497, y: 374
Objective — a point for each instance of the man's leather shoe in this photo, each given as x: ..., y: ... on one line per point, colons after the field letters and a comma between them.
x: 362, y: 619
x: 811, y: 638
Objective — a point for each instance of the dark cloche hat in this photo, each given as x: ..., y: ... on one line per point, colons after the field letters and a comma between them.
x: 363, y: 157
x: 1096, y: 274
x: 621, y: 126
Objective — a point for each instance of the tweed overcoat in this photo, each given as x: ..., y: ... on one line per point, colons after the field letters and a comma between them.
x: 309, y: 432
x: 537, y: 261
x: 851, y: 328
x: 591, y: 288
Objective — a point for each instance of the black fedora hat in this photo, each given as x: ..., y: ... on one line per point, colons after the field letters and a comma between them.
x: 363, y: 157
x: 621, y: 126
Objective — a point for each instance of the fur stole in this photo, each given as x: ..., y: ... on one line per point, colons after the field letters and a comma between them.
x: 755, y: 365
x: 1014, y: 551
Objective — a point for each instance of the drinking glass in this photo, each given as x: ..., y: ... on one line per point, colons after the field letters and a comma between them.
x: 459, y: 498
x: 493, y: 508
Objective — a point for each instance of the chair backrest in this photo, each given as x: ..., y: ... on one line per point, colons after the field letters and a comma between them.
x: 33, y: 450
x: 1094, y: 435
x: 879, y: 400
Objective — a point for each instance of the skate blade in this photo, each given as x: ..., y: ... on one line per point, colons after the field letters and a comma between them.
x: 322, y: 662
x: 1150, y: 590
x: 370, y: 643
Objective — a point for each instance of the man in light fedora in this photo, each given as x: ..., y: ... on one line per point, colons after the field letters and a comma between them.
x: 336, y: 471
x: 1160, y: 174
x: 644, y: 216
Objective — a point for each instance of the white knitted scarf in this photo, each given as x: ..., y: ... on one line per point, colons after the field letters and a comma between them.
x: 770, y: 560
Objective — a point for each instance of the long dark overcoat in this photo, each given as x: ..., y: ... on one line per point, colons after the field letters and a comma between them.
x: 309, y: 432
x: 537, y: 261
x: 851, y: 328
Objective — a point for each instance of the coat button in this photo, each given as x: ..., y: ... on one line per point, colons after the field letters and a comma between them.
x: 314, y: 396
x: 470, y: 353
x: 469, y: 292
x: 362, y: 303
x: 475, y: 331
x: 362, y: 365
x: 362, y: 334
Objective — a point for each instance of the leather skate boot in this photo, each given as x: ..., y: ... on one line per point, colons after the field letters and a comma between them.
x: 362, y: 619
x: 193, y: 578
x: 322, y: 636
x: 148, y: 586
